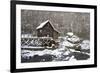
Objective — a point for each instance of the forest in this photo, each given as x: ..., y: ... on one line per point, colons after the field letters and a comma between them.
x: 78, y: 23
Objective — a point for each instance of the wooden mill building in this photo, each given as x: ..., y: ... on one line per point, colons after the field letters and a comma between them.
x: 46, y: 29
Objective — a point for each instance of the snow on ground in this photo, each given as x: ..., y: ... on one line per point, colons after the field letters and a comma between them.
x: 62, y: 53
x: 57, y: 53
x: 25, y: 46
x: 32, y: 47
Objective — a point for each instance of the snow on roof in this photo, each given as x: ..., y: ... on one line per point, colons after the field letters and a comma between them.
x: 70, y: 33
x: 44, y: 23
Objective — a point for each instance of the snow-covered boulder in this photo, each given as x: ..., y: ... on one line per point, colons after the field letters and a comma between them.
x: 68, y: 44
x: 72, y: 58
x: 74, y: 39
x: 66, y: 53
x: 85, y: 44
x: 56, y: 53
x: 70, y: 34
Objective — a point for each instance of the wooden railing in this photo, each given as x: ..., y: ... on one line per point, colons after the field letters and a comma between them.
x: 35, y: 41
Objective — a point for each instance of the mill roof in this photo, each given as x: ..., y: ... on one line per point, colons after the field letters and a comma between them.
x: 44, y: 23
